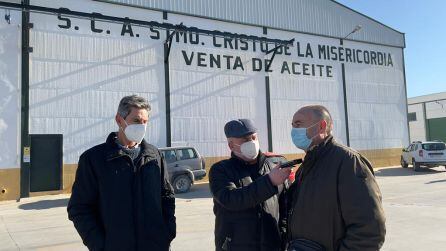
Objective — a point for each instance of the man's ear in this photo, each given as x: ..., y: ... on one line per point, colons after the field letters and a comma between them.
x: 323, y: 127
x: 230, y: 144
x: 118, y: 120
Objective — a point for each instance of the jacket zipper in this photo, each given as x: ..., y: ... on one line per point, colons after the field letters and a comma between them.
x: 134, y: 199
x: 290, y: 234
x: 134, y: 169
x: 291, y: 212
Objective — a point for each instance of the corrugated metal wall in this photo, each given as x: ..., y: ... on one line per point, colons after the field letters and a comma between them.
x: 418, y: 127
x: 435, y: 107
x: 78, y: 78
x: 376, y: 97
x: 290, y: 91
x: 434, y: 110
x: 323, y: 17
x: 10, y: 54
x: 203, y: 99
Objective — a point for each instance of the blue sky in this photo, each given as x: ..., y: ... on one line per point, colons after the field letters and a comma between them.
x: 424, y: 24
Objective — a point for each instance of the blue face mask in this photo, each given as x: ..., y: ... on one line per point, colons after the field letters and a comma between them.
x: 300, y: 138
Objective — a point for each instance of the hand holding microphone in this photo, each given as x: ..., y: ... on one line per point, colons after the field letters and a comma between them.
x: 282, y: 171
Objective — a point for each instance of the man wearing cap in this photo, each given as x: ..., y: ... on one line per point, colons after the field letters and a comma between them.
x: 246, y: 189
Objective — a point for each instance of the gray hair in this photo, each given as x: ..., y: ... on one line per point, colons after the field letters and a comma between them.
x: 318, y: 113
x: 128, y: 102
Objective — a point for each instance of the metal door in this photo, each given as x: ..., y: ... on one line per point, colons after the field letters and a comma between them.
x: 46, y: 162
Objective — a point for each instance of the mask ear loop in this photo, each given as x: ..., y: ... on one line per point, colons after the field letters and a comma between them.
x: 311, y: 127
x: 237, y: 151
x: 122, y: 129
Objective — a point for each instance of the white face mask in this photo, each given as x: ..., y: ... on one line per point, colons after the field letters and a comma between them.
x: 250, y: 149
x: 135, y: 132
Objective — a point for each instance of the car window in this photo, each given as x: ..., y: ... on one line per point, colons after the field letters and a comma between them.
x: 169, y: 156
x: 433, y: 146
x: 410, y: 148
x: 184, y: 154
x: 416, y: 147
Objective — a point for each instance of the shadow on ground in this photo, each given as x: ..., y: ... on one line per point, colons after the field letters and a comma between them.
x: 435, y: 181
x: 399, y: 171
x: 44, y: 204
x: 198, y: 191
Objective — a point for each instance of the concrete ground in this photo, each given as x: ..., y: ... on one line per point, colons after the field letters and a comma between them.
x: 414, y: 203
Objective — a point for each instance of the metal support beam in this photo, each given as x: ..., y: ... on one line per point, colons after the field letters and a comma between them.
x: 24, y: 114
x: 268, y: 114
x: 167, y: 98
x: 344, y: 91
x: 168, y: 42
x: 268, y: 107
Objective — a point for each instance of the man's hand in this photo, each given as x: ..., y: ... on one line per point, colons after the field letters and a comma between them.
x: 279, y: 175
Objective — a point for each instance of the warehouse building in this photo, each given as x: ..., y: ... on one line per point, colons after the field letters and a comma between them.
x: 64, y: 66
x: 427, y: 117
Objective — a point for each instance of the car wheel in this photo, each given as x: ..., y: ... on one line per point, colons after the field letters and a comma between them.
x: 182, y: 184
x: 416, y: 166
x: 403, y: 163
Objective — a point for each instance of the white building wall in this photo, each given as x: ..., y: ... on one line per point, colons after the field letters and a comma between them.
x: 417, y: 128
x: 376, y: 101
x: 203, y: 99
x: 289, y: 92
x: 436, y: 109
x: 78, y: 77
x: 10, y: 72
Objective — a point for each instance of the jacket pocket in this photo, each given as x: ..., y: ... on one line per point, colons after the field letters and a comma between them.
x: 245, y: 233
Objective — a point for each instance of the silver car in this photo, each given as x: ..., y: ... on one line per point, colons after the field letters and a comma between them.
x: 185, y: 166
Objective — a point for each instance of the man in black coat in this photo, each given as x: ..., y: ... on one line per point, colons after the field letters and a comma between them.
x: 246, y: 189
x: 121, y: 198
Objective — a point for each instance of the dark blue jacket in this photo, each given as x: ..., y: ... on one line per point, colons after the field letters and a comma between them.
x: 116, y: 205
x: 249, y: 210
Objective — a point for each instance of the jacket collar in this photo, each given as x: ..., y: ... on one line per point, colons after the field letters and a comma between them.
x: 321, y: 148
x: 315, y: 153
x: 114, y: 151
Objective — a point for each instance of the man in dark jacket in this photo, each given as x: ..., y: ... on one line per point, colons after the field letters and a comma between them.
x: 335, y: 200
x: 121, y: 198
x: 246, y: 191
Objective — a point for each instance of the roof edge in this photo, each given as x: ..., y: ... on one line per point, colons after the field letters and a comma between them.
x: 427, y: 98
x: 403, y: 45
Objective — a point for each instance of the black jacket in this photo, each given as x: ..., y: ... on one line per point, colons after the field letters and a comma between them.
x: 246, y: 206
x: 335, y: 200
x: 116, y: 205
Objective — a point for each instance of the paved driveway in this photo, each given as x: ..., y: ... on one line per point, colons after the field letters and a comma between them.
x: 415, y: 206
